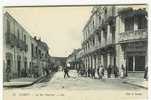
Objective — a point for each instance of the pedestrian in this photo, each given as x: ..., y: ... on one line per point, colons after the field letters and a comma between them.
x: 66, y: 70
x: 93, y: 72
x: 86, y: 72
x: 116, y: 71
x: 109, y: 71
x: 47, y: 71
x: 146, y: 73
x: 100, y: 72
x: 8, y: 71
x: 123, y: 72
x: 89, y: 72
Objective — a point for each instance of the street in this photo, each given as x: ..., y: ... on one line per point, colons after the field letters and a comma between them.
x: 77, y: 87
x: 76, y: 82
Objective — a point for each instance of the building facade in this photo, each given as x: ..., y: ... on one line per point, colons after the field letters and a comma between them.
x: 73, y: 59
x: 40, y: 57
x: 132, y: 38
x: 18, y: 49
x: 58, y: 63
x: 116, y: 36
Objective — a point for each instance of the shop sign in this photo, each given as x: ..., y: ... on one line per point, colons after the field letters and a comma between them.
x: 136, y: 46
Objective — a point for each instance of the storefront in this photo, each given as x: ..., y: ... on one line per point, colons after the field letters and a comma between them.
x: 136, y: 56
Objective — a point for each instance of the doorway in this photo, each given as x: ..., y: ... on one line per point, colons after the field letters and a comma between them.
x: 18, y: 68
x: 136, y: 63
x: 139, y: 63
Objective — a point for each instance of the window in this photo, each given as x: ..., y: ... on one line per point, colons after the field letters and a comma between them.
x: 105, y: 11
x: 8, y: 26
x: 142, y: 22
x: 99, y: 19
x: 129, y: 24
x: 32, y: 50
x: 130, y: 63
x: 105, y: 34
x: 93, y: 41
x: 36, y: 50
x: 93, y: 24
x: 18, y: 34
x: 99, y: 37
x: 139, y: 63
x: 25, y: 38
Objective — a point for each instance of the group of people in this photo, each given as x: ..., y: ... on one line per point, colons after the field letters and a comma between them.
x: 100, y: 71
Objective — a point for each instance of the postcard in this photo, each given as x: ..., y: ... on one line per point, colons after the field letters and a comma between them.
x: 76, y: 52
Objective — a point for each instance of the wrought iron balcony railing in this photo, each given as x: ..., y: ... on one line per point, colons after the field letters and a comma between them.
x: 133, y: 35
x: 10, y: 39
x: 22, y: 45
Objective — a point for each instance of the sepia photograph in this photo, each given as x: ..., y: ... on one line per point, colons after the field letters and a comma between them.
x: 84, y: 52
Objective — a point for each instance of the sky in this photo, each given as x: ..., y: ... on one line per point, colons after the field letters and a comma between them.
x: 60, y: 27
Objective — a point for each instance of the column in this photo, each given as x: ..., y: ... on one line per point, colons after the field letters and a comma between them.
x: 93, y: 61
x: 135, y: 24
x: 108, y: 34
x: 86, y: 62
x: 96, y: 40
x: 102, y: 38
x: 108, y: 59
x: 133, y: 63
x: 120, y: 56
x: 102, y: 62
x: 97, y: 61
x: 122, y: 25
x: 89, y: 62
x: 91, y: 58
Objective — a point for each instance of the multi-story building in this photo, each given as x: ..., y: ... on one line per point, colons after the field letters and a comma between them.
x: 16, y: 48
x: 39, y: 57
x: 72, y: 59
x: 132, y: 37
x: 116, y: 36
x: 23, y: 56
x: 79, y: 60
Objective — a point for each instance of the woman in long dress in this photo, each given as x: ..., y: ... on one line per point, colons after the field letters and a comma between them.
x: 101, y: 72
x: 123, y: 72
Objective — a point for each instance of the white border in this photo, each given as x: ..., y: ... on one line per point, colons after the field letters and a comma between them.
x: 70, y: 2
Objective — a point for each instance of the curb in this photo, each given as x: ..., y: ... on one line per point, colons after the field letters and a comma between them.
x: 135, y: 85
x: 39, y: 80
x: 25, y: 85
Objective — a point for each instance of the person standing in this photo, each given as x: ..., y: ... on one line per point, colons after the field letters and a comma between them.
x: 109, y: 71
x: 8, y: 71
x: 66, y: 70
x: 93, y: 72
x: 123, y: 73
x: 146, y: 73
x: 116, y: 71
x: 100, y: 72
x: 89, y: 72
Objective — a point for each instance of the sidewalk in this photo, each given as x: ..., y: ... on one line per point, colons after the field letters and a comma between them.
x: 140, y: 82
x: 22, y: 82
x: 135, y: 80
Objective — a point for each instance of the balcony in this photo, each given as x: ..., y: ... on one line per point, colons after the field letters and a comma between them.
x: 103, y: 44
x: 93, y: 49
x: 110, y: 40
x: 44, y: 59
x: 22, y: 45
x: 10, y: 39
x: 133, y: 35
